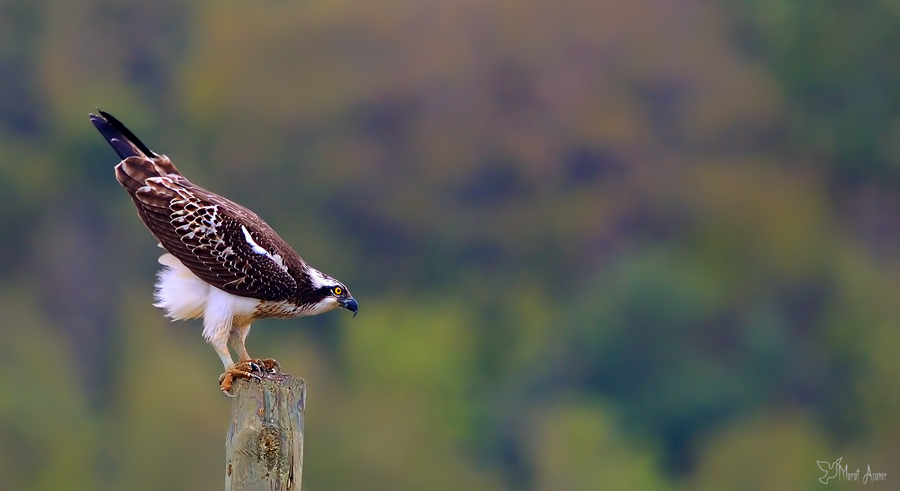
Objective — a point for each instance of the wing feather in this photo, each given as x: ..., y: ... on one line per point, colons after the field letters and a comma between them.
x: 220, y: 241
x: 204, y: 231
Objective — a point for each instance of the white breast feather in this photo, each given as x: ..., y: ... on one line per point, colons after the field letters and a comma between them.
x: 218, y: 316
x: 185, y: 296
x: 178, y: 291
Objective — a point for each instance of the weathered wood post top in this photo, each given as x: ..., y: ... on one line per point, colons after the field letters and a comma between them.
x: 264, y: 445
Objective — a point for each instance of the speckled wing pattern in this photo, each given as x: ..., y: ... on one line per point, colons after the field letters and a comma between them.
x: 223, y: 243
x: 220, y: 241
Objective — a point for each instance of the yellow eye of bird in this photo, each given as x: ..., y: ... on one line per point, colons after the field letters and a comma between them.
x: 337, y: 290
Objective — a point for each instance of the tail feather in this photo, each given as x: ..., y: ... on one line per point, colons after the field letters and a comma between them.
x: 120, y: 138
x: 139, y: 163
x: 133, y: 173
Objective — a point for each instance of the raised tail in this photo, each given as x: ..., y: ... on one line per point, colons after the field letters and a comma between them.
x: 139, y: 163
x: 120, y: 138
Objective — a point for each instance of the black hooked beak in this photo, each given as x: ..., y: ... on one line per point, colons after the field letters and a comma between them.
x: 350, y: 304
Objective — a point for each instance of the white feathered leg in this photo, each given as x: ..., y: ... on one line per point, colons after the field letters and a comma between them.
x: 185, y: 296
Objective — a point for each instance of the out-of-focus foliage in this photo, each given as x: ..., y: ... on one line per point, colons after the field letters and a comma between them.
x: 837, y: 66
x: 597, y: 245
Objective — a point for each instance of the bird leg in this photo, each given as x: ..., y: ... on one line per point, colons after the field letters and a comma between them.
x: 247, y: 367
x: 244, y: 368
x: 240, y: 369
x: 237, y: 337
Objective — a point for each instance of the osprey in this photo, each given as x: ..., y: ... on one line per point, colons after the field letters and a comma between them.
x: 223, y: 262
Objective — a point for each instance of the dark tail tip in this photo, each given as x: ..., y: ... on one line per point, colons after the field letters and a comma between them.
x: 120, y: 138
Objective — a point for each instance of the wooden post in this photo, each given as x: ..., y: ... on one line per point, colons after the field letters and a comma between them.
x: 264, y: 445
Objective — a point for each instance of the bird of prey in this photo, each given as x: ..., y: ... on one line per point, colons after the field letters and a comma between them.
x: 223, y: 262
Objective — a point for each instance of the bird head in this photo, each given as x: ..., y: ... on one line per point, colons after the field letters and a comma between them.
x: 331, y: 294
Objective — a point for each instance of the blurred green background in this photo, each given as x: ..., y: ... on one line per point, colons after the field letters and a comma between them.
x: 596, y: 244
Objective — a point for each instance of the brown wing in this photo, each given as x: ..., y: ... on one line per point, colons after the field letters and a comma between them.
x: 223, y: 243
x: 220, y: 241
